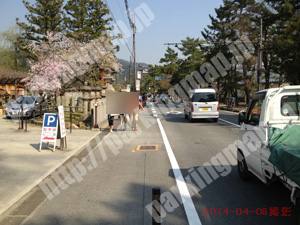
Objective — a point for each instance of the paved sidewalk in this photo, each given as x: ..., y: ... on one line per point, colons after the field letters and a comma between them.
x: 22, y: 165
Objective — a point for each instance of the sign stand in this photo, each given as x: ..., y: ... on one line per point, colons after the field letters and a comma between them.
x: 62, y: 128
x: 49, y: 130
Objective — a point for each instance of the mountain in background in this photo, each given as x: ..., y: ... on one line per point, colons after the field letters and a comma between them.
x: 126, y: 64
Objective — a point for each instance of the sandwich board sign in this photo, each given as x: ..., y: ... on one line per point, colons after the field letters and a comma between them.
x: 62, y: 127
x: 49, y: 130
x: 62, y: 121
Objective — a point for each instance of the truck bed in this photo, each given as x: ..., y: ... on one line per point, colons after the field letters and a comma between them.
x: 285, y: 151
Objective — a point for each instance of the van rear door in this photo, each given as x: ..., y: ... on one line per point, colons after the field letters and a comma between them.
x: 205, y: 102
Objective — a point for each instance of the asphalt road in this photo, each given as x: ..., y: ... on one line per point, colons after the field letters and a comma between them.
x: 119, y: 184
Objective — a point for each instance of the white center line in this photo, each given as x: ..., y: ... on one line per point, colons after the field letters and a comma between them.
x: 188, y: 204
x: 229, y: 122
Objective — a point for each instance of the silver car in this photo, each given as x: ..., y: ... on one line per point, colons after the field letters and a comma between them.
x: 31, y: 105
x: 164, y: 98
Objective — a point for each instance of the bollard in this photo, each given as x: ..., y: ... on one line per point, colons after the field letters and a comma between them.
x: 71, y: 121
x: 156, y: 217
x: 22, y: 111
x: 96, y: 123
x: 21, y: 116
x: 92, y: 119
x: 26, y: 122
x: 19, y: 119
x: 41, y: 111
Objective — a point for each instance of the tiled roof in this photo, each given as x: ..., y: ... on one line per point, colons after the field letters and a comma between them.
x: 9, y: 75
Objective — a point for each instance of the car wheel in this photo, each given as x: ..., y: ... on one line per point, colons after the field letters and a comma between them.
x: 190, y: 118
x: 243, y: 169
x: 215, y: 120
x: 33, y: 114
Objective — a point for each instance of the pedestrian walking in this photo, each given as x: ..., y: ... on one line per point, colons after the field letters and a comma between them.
x: 111, y: 118
x: 135, y: 119
x: 144, y: 100
x: 124, y: 120
x: 232, y: 101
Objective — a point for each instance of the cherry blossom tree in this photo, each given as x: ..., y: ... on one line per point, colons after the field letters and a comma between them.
x: 59, y: 59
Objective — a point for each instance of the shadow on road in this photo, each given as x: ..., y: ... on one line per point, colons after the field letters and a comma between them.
x: 218, y: 193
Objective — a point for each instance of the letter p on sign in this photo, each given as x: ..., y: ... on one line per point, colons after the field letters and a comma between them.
x: 51, y: 119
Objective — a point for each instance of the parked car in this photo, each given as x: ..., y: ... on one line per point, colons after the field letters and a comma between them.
x: 202, y: 104
x: 31, y: 105
x: 269, y: 144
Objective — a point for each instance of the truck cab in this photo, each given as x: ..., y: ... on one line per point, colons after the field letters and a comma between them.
x: 268, y: 140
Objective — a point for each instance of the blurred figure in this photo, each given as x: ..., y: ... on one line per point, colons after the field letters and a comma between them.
x: 233, y: 101
x: 124, y: 120
x: 135, y: 118
x: 111, y: 118
x: 144, y: 99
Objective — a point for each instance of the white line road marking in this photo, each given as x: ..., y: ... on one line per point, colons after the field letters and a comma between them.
x: 229, y: 122
x: 229, y: 111
x: 188, y: 204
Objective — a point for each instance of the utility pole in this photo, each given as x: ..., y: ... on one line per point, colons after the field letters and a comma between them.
x: 132, y: 25
x: 130, y: 75
x: 134, y: 52
x: 259, y: 57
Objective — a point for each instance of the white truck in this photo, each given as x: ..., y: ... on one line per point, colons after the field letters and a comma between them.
x: 269, y: 138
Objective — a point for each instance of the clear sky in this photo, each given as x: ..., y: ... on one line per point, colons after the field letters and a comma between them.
x: 161, y: 21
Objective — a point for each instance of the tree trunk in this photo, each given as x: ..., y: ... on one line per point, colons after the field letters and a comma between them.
x: 247, y: 91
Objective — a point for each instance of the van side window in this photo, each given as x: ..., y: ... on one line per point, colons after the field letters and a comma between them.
x: 254, y: 112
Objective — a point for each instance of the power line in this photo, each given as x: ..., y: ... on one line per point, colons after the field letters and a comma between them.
x: 133, y: 27
x: 128, y: 14
x: 118, y: 28
x: 121, y: 10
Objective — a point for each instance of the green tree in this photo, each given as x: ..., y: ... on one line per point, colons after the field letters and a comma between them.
x: 234, y: 18
x: 149, y: 80
x: 194, y: 56
x: 44, y: 16
x: 171, y: 64
x: 287, y: 41
x: 270, y: 57
x: 11, y: 54
x: 86, y: 19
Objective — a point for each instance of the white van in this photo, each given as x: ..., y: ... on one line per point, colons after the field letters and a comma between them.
x: 202, y: 104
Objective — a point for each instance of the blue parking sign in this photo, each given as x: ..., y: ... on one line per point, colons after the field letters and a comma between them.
x: 50, y: 120
x: 49, y: 130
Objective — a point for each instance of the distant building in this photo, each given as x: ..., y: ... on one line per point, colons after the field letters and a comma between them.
x: 10, y: 84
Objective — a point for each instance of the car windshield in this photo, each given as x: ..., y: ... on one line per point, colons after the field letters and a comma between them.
x: 204, y: 97
x: 27, y: 100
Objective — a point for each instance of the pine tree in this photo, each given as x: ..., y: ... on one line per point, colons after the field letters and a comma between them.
x: 98, y: 18
x: 44, y: 16
x: 76, y: 19
x: 191, y: 48
x: 86, y: 19
x: 171, y: 65
x: 287, y: 40
x: 234, y: 18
